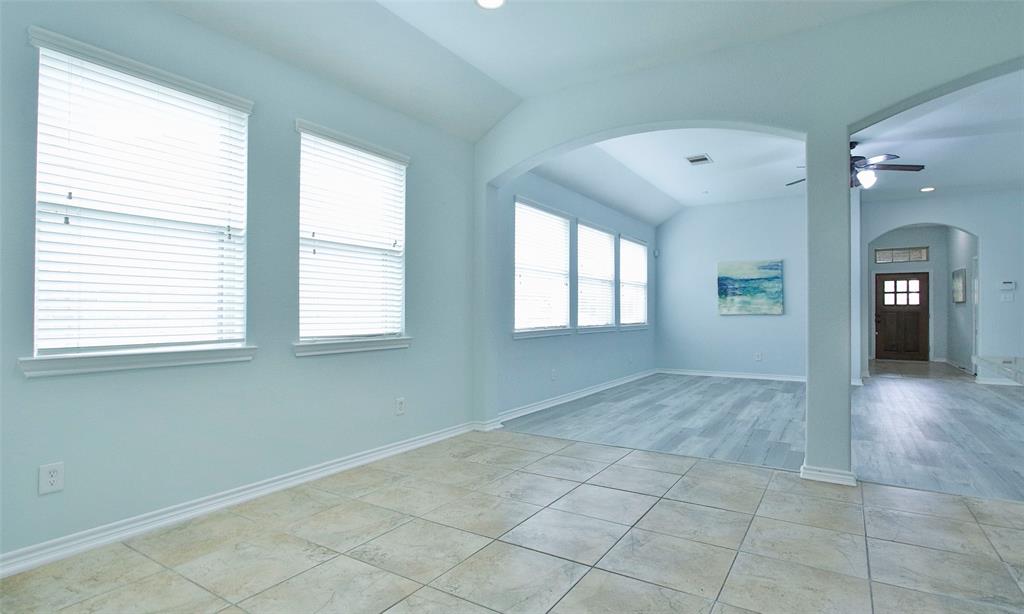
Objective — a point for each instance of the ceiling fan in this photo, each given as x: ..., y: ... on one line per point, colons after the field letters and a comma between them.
x: 862, y: 169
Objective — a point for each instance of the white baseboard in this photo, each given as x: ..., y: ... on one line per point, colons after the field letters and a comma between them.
x: 996, y: 381
x: 35, y: 555
x: 536, y: 406
x: 856, y: 381
x: 736, y: 375
x: 832, y: 476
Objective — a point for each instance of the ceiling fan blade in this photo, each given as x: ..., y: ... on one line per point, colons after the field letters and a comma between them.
x: 795, y: 182
x: 881, y: 158
x: 894, y: 167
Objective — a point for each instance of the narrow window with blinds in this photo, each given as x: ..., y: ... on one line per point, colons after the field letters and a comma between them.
x: 595, y: 263
x: 632, y: 282
x: 140, y: 213
x: 352, y: 242
x: 541, y: 269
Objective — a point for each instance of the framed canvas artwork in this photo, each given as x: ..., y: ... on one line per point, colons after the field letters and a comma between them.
x: 960, y: 286
x: 750, y: 287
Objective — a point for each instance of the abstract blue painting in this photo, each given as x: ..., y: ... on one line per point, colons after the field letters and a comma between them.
x: 750, y: 287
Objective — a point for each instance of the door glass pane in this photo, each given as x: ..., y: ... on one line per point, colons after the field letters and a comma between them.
x: 890, y: 286
x: 915, y: 298
x: 901, y: 285
x: 890, y: 299
x: 901, y: 299
x: 914, y: 285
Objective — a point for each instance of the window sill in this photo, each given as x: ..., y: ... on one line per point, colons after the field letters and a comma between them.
x: 583, y: 330
x: 541, y: 332
x: 347, y: 346
x: 627, y: 327
x: 123, y: 360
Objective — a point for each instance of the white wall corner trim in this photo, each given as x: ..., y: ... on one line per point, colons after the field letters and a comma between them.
x: 99, y: 362
x: 736, y: 375
x: 856, y: 381
x: 35, y: 555
x: 58, y: 42
x: 530, y: 408
x: 347, y: 346
x: 832, y: 476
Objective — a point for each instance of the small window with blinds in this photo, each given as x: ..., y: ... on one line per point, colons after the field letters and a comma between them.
x: 352, y: 241
x: 632, y: 282
x: 595, y: 267
x: 541, y: 269
x: 140, y: 213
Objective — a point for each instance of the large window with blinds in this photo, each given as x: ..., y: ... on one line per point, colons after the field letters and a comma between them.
x: 541, y: 269
x: 595, y: 267
x: 352, y: 239
x: 140, y: 213
x: 632, y: 282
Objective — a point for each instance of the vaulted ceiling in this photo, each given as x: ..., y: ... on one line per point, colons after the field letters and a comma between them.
x: 462, y: 68
x: 970, y: 138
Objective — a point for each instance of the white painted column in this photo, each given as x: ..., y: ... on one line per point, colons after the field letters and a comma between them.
x: 828, y: 314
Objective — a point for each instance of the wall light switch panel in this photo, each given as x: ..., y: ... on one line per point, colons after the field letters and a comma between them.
x: 51, y: 478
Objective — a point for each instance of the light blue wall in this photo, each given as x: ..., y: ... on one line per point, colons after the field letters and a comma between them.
x: 519, y: 371
x: 138, y: 441
x: 691, y: 333
x: 936, y: 239
x: 997, y: 219
x: 962, y: 249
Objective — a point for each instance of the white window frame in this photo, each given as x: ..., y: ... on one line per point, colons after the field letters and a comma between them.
x: 647, y: 283
x: 569, y: 328
x: 320, y: 346
x: 51, y: 363
x: 575, y: 275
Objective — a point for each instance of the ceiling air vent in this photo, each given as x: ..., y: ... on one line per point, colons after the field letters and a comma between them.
x: 699, y: 159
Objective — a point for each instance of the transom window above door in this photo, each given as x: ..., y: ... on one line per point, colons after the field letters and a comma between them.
x: 902, y: 292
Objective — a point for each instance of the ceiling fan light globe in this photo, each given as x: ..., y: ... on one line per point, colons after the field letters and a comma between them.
x: 867, y: 179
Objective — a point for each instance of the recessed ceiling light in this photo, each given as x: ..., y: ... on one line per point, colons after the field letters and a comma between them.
x: 490, y: 4
x: 928, y: 189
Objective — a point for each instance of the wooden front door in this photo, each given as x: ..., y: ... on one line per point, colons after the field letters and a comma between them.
x: 901, y: 316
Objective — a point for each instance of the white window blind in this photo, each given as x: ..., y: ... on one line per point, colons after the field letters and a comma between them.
x: 352, y: 241
x: 542, y: 269
x: 595, y: 258
x: 140, y: 212
x: 632, y: 282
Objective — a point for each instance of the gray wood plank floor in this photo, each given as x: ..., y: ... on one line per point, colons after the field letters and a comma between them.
x: 921, y: 425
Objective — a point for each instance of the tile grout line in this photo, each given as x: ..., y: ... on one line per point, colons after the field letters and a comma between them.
x: 743, y: 539
x: 612, y: 547
x: 867, y: 552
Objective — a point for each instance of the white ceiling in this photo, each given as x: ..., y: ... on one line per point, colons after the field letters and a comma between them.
x: 533, y: 47
x: 368, y: 50
x: 462, y: 68
x: 647, y: 175
x: 970, y: 138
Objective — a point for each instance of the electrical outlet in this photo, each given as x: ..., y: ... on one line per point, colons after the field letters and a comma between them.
x: 758, y: 356
x: 51, y: 478
x: 554, y: 374
x: 400, y: 406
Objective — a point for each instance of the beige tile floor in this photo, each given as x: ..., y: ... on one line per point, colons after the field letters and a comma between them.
x: 509, y: 522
